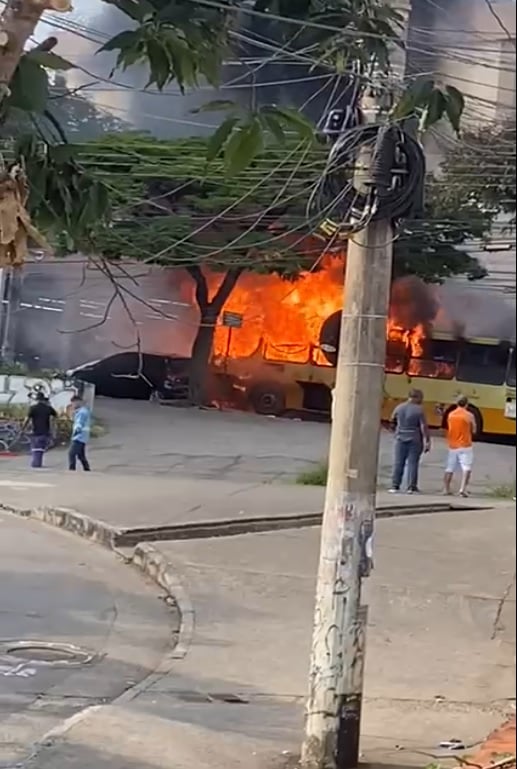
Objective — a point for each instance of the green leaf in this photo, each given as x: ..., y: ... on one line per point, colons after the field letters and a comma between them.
x: 159, y: 64
x: 62, y: 153
x: 220, y: 137
x: 415, y: 96
x: 218, y: 105
x: 183, y: 60
x: 123, y: 41
x: 244, y: 149
x: 454, y: 106
x: 49, y: 60
x: 210, y: 63
x: 274, y: 127
x: 435, y: 109
x: 292, y: 119
x: 29, y: 87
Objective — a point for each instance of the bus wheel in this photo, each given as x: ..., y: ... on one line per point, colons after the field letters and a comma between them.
x: 267, y: 398
x: 479, y: 421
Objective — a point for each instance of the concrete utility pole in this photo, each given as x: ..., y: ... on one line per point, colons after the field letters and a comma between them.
x: 336, y: 678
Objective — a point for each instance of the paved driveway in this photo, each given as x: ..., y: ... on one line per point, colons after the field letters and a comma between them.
x: 146, y: 438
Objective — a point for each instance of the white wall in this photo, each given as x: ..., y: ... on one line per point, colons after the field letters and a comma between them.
x: 17, y: 390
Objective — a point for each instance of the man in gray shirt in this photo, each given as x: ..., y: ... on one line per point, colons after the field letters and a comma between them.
x: 411, y: 440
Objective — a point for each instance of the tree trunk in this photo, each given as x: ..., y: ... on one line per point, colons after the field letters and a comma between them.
x: 18, y: 23
x: 200, y: 358
x: 209, y: 310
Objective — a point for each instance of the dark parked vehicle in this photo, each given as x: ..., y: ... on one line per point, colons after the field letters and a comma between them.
x: 136, y: 376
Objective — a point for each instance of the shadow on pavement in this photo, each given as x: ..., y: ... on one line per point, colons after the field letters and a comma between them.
x: 388, y: 766
x: 293, y: 763
x: 74, y: 756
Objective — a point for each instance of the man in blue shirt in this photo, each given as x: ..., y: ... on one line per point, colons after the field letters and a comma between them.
x: 80, y: 434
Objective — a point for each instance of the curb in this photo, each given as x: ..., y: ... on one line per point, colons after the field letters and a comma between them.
x: 156, y: 566
x: 70, y: 520
x: 145, y: 557
x: 112, y: 537
x: 232, y: 527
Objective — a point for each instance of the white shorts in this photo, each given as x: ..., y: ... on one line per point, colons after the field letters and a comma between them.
x: 462, y: 458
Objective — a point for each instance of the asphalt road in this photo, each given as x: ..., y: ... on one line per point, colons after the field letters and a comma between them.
x: 57, y: 589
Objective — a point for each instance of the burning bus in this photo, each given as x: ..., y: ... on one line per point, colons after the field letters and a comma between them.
x: 283, y: 357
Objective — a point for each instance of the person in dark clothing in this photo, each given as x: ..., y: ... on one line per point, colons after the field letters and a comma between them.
x: 40, y: 417
x: 412, y: 438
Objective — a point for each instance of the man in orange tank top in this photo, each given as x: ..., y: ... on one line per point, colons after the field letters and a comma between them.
x: 461, y: 428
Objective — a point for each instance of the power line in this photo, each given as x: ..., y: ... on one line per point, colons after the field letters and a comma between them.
x: 500, y: 22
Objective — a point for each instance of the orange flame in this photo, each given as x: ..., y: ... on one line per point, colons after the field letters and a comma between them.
x: 285, y: 317
x: 283, y: 320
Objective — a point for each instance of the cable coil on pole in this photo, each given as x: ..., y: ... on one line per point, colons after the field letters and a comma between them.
x: 393, y: 188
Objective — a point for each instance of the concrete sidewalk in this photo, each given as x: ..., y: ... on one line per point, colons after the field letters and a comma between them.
x: 127, y: 502
x: 440, y: 652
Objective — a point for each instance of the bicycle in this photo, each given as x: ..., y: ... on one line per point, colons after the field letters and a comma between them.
x: 13, y: 438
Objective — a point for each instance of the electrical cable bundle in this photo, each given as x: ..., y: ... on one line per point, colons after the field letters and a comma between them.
x: 391, y: 188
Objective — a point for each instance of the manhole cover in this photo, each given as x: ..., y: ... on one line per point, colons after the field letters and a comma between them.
x: 47, y: 653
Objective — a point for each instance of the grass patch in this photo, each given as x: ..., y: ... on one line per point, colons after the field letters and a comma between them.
x: 503, y: 491
x: 316, y: 476
x: 99, y: 427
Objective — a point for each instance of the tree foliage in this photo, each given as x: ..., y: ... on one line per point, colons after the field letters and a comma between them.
x: 68, y: 116
x: 435, y: 247
x: 186, y: 42
x: 170, y: 207
x: 482, y: 168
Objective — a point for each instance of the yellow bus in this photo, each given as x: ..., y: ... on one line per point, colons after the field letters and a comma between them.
x: 481, y: 369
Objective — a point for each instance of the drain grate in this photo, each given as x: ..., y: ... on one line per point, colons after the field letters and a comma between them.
x: 47, y: 653
x: 227, y: 697
x: 232, y: 699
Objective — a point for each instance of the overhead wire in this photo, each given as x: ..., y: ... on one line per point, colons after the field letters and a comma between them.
x: 500, y: 22
x: 281, y: 18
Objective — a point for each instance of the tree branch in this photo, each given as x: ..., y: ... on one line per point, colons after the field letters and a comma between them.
x: 225, y: 289
x: 196, y: 273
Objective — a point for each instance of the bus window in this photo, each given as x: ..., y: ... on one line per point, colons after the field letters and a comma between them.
x: 510, y: 379
x: 438, y: 360
x: 482, y: 364
x: 395, y: 357
x: 287, y: 353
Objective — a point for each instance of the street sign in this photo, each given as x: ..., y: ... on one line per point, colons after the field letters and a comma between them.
x: 232, y: 319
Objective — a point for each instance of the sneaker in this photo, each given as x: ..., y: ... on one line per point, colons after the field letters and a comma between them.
x: 413, y: 491
x: 394, y: 490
